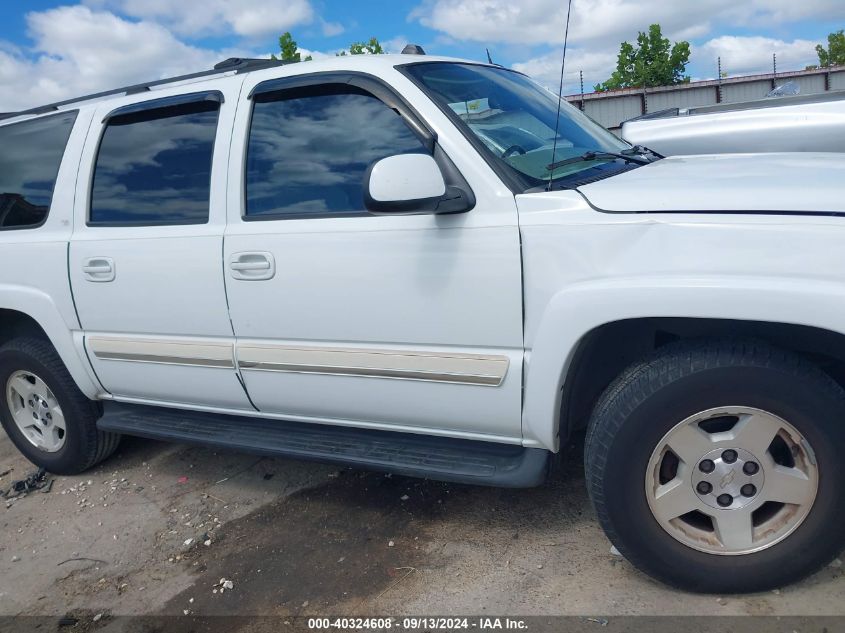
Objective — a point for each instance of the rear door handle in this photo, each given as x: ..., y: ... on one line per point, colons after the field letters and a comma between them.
x: 253, y: 266
x: 98, y: 269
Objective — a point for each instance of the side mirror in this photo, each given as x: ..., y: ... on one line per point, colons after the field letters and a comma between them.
x: 409, y: 184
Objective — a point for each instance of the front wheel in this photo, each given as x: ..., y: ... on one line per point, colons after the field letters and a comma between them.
x: 716, y: 466
x: 45, y: 414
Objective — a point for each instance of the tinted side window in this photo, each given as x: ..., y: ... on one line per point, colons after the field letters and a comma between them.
x: 308, y: 153
x: 30, y: 155
x: 154, y: 167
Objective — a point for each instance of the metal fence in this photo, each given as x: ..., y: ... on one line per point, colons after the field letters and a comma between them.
x: 612, y: 108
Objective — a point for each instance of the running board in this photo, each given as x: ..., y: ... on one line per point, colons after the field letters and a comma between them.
x: 414, y: 455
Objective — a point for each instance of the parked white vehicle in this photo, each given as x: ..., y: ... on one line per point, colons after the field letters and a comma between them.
x: 367, y: 260
x: 811, y: 123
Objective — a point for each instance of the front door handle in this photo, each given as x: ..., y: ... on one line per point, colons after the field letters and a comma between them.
x: 252, y: 266
x: 98, y: 269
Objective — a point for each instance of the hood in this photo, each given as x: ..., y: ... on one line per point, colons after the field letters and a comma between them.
x: 727, y: 183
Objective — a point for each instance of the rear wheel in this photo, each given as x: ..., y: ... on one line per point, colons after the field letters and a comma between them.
x: 716, y: 466
x: 45, y: 414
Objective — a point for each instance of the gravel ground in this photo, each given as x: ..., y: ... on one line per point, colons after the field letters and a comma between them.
x: 156, y: 528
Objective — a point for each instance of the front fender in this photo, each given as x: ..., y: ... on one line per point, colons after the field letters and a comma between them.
x: 575, y: 311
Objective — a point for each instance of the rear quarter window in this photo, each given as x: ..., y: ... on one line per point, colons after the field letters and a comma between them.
x: 30, y: 155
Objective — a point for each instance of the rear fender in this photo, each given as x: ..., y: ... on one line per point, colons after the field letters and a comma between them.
x: 41, y: 308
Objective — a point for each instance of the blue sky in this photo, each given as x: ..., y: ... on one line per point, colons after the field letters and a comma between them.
x: 51, y: 49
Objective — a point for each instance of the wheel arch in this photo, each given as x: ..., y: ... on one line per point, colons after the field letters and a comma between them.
x: 589, y: 333
x: 29, y: 312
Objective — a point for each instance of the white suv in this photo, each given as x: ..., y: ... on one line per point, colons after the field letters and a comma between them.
x: 421, y: 265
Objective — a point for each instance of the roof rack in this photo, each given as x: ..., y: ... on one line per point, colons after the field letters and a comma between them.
x: 233, y: 64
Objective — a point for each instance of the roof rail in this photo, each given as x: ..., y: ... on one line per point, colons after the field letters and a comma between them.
x: 233, y: 64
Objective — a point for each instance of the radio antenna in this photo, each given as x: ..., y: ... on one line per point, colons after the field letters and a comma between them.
x: 560, y: 92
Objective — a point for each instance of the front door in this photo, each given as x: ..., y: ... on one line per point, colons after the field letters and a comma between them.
x: 145, y: 256
x: 400, y: 322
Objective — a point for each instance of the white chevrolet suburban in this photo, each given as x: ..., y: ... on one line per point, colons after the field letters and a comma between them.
x: 430, y: 267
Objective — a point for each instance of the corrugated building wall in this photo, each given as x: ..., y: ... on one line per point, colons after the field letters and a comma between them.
x: 612, y: 108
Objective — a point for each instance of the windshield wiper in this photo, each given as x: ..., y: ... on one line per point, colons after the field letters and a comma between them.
x: 641, y: 149
x: 587, y: 156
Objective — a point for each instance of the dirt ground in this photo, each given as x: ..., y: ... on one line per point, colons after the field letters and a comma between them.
x: 156, y: 528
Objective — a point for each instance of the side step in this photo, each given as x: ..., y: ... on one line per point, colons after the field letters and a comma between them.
x: 444, y: 459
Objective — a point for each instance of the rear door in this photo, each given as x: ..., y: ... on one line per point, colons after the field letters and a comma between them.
x: 405, y: 322
x: 145, y: 257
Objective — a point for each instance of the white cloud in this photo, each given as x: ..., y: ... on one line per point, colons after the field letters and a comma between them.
x: 248, y: 18
x: 546, y: 69
x: 606, y: 22
x: 79, y: 51
x: 316, y: 55
x: 542, y: 21
x: 330, y: 29
x: 748, y: 55
x: 766, y: 12
x: 395, y: 44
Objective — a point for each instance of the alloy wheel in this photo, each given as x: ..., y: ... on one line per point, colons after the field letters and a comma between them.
x: 732, y: 480
x: 36, y: 411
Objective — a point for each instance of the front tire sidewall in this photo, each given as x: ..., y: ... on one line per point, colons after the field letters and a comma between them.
x: 641, y: 538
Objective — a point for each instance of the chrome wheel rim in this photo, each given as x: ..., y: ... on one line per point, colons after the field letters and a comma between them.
x: 732, y: 480
x: 36, y: 411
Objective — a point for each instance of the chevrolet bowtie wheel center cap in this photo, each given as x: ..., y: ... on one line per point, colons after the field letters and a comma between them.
x: 728, y: 478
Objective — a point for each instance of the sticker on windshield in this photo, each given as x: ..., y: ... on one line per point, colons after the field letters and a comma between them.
x: 467, y: 108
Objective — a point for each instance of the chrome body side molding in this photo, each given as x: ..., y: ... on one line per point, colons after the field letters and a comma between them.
x: 473, y: 369
x: 447, y: 367
x: 163, y: 352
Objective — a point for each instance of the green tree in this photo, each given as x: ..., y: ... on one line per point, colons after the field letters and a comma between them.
x: 289, y: 49
x: 834, y: 54
x: 653, y: 61
x: 370, y: 47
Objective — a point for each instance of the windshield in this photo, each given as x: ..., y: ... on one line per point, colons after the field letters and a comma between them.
x: 514, y: 119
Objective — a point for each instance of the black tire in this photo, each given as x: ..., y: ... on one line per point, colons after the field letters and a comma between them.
x: 84, y: 444
x: 685, y: 378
